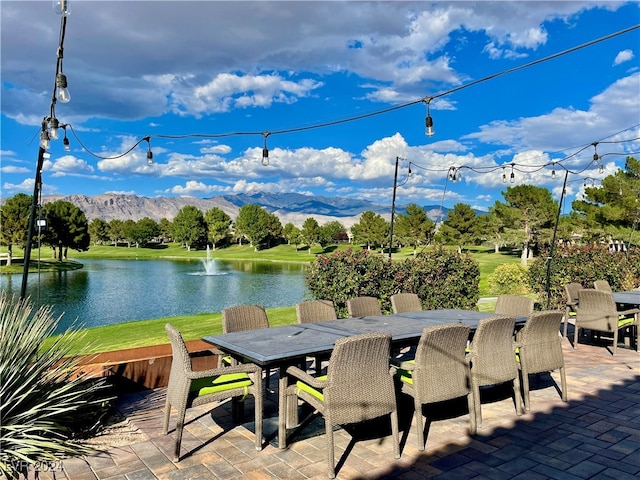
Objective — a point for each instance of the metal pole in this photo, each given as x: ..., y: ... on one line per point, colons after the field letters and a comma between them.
x: 32, y: 219
x: 553, y: 241
x: 393, y: 207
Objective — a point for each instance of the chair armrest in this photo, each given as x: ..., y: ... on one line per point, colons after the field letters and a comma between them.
x: 632, y: 311
x: 242, y: 368
x: 305, y: 377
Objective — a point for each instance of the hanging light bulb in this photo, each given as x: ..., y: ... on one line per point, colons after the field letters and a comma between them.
x: 553, y: 172
x: 62, y: 92
x: 54, y: 124
x: 601, y: 168
x: 149, y: 152
x: 504, y: 176
x: 513, y: 177
x: 428, y: 122
x: 459, y: 175
x: 265, y: 150
x: 65, y: 143
x: 44, y: 140
x: 62, y: 7
x: 409, y: 172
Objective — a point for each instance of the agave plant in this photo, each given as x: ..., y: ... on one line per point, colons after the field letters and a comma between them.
x: 42, y: 395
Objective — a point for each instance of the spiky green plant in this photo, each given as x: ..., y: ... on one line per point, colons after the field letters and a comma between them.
x: 42, y: 397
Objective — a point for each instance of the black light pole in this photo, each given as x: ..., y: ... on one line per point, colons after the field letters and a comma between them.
x: 32, y: 220
x: 393, y: 207
x: 553, y: 241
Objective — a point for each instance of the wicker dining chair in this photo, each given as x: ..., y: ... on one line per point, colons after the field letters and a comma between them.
x: 492, y: 361
x: 312, y: 311
x: 539, y: 349
x: 363, y: 307
x: 405, y: 302
x: 597, y: 312
x: 602, y: 286
x: 188, y: 388
x: 241, y: 318
x: 358, y: 387
x: 438, y: 372
x: 571, y: 290
x: 515, y: 305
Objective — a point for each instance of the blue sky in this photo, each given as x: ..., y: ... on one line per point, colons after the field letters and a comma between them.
x: 166, y: 68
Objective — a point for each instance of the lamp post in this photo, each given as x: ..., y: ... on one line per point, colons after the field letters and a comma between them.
x: 553, y: 241
x: 393, y: 207
x: 32, y: 221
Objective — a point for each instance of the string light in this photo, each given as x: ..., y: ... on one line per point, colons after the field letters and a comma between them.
x: 428, y: 121
x: 149, y: 152
x: 62, y: 7
x: 265, y: 150
x: 504, y: 175
x: 62, y: 91
x: 54, y: 124
x: 513, y: 177
x: 553, y: 172
x: 65, y: 140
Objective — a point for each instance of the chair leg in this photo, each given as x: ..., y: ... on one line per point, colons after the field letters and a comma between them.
x: 563, y: 384
x: 179, y: 428
x: 477, y: 406
x: 566, y: 322
x: 517, y: 394
x: 167, y: 414
x: 525, y: 390
x: 331, y: 462
x: 615, y: 341
x: 395, y: 433
x: 419, y: 423
x: 473, y: 428
x: 575, y: 336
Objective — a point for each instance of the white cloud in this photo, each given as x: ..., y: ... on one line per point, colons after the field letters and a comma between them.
x: 623, y: 56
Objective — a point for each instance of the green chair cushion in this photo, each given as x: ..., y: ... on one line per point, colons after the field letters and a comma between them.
x: 405, y: 376
x: 623, y: 322
x: 317, y: 393
x: 221, y: 383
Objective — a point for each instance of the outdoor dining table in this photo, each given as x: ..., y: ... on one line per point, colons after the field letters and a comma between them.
x: 281, y: 347
x: 631, y: 298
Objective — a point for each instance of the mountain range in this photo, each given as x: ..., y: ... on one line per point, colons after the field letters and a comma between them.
x: 288, y: 207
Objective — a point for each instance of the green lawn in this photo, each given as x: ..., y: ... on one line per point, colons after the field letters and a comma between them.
x: 151, y: 332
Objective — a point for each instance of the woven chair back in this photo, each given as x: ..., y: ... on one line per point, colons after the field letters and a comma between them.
x: 311, y: 311
x: 492, y: 351
x: 244, y: 317
x: 540, y: 342
x: 441, y: 372
x: 359, y: 386
x: 515, y: 305
x: 405, y: 302
x: 363, y: 307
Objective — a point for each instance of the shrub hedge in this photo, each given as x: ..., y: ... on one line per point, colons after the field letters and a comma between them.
x: 441, y: 278
x: 583, y: 265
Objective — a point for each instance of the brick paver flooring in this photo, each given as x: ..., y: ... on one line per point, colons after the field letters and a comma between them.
x: 596, y: 435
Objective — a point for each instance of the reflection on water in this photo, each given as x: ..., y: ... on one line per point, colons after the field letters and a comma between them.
x: 107, y: 292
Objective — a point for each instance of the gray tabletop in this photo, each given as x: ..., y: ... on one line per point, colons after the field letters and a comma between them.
x: 628, y: 298
x: 278, y: 345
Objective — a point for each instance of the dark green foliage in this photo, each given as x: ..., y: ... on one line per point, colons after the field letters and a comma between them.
x: 583, y: 265
x: 442, y: 279
x: 45, y: 406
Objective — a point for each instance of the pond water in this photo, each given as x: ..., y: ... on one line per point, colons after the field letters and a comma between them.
x: 107, y: 292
